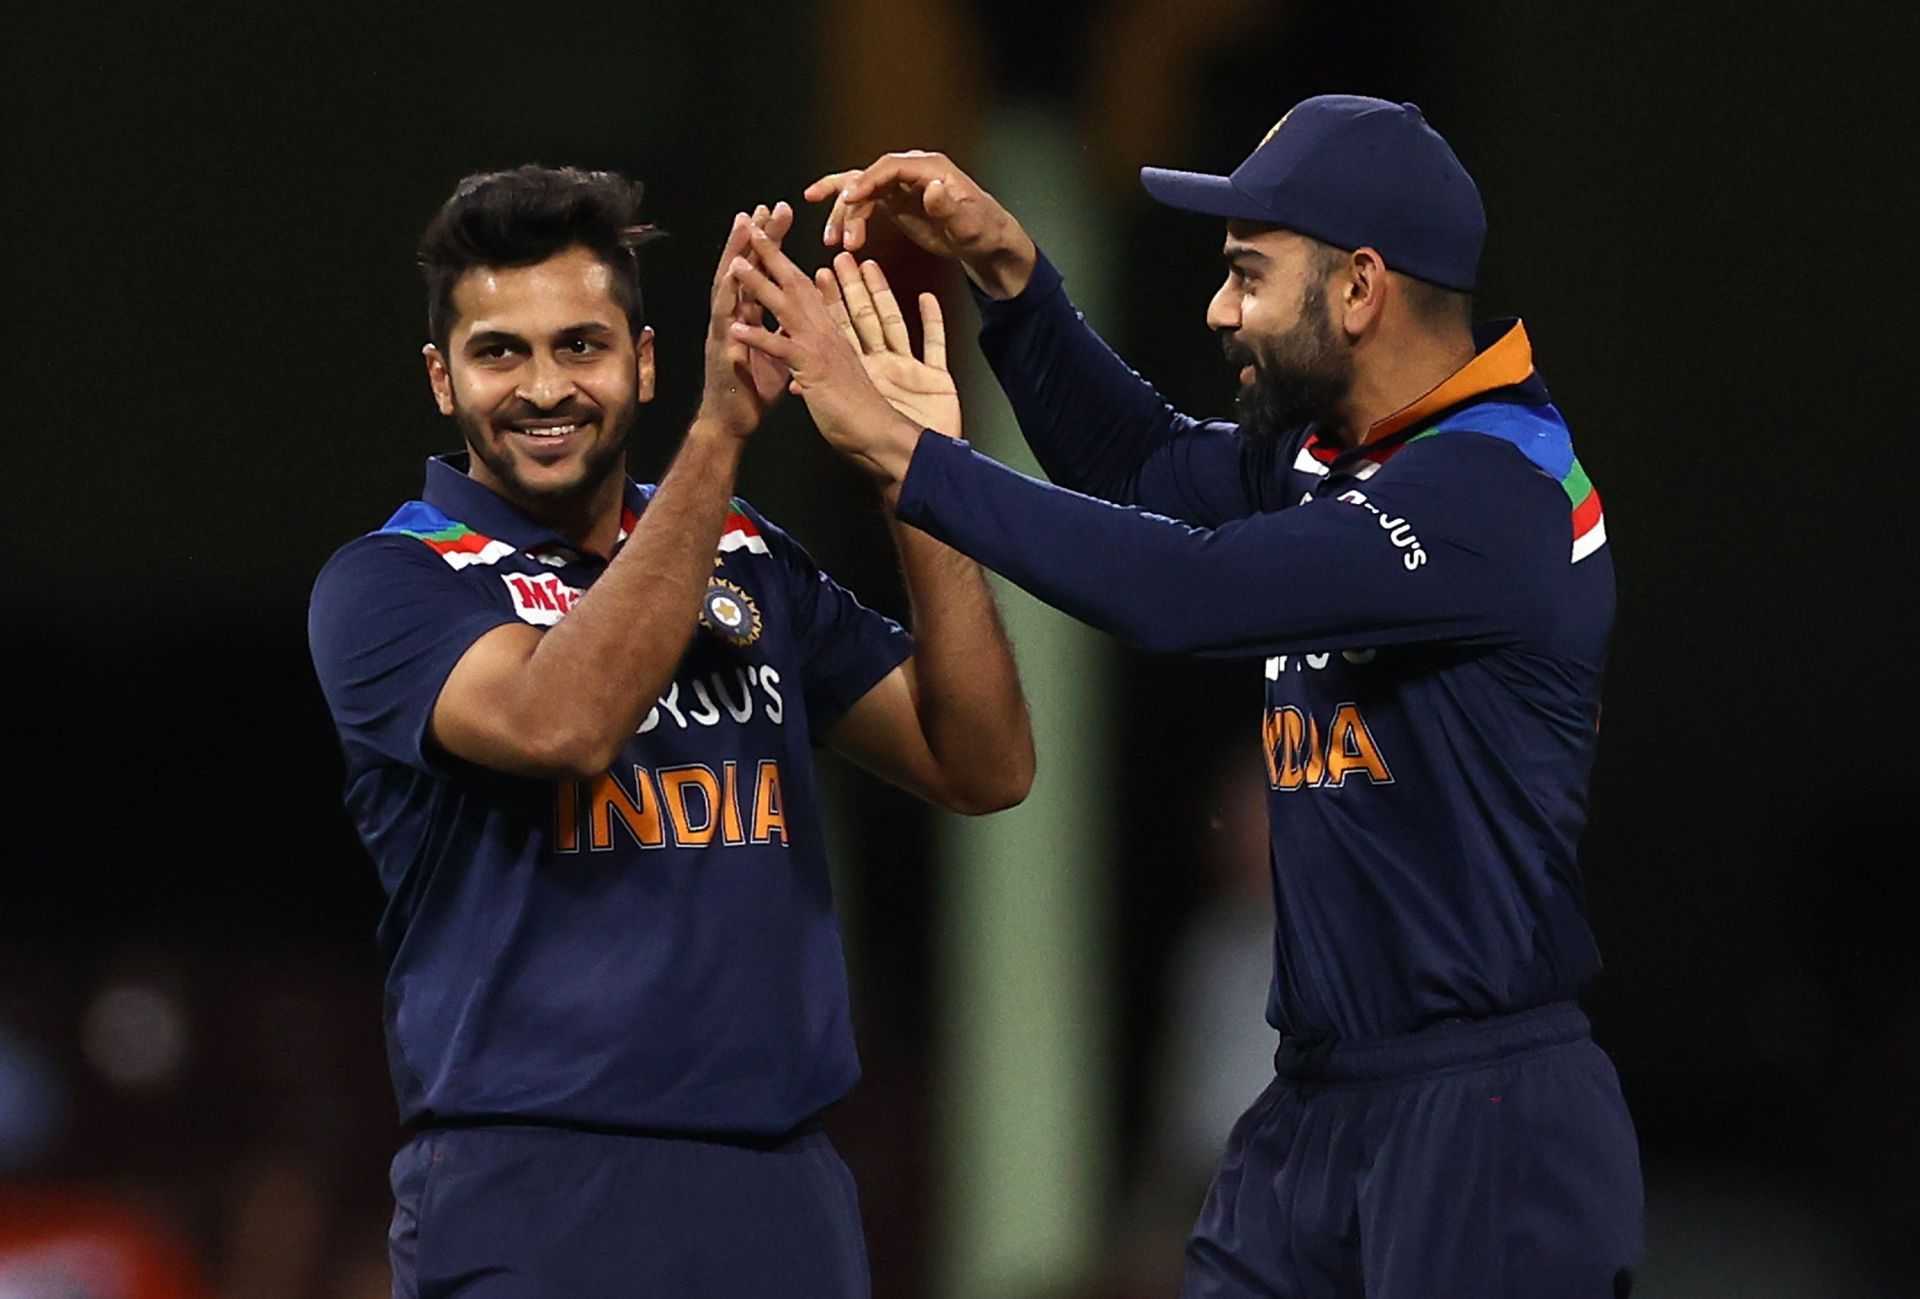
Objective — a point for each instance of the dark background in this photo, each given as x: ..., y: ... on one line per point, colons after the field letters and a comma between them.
x: 210, y: 331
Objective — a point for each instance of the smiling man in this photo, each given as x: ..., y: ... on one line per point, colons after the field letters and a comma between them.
x: 1398, y: 528
x: 579, y: 716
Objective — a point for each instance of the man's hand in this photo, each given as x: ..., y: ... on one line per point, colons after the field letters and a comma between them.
x: 742, y: 383
x: 861, y: 302
x: 825, y: 368
x: 936, y: 205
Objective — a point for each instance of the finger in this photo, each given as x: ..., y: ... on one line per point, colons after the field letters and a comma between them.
x: 779, y: 221
x: 823, y: 279
x: 767, y: 252
x: 851, y: 223
x: 760, y: 339
x: 912, y: 169
x: 735, y: 245
x: 866, y: 318
x: 746, y: 308
x: 938, y: 200
x: 755, y: 284
x: 933, y: 332
x: 893, y: 325
x: 775, y: 221
x: 829, y: 185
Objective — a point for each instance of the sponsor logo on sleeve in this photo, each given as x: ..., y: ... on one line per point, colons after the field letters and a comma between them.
x: 1412, y: 554
x: 540, y: 598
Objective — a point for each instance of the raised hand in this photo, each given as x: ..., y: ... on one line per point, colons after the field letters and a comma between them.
x: 860, y: 301
x: 825, y: 366
x: 742, y: 383
x: 936, y: 205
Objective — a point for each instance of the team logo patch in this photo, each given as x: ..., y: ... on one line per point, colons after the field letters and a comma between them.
x: 731, y: 612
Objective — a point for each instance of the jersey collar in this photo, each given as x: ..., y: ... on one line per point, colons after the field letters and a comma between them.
x: 1503, y: 359
x: 451, y: 491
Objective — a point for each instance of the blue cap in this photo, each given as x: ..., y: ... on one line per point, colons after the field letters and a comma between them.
x: 1349, y: 170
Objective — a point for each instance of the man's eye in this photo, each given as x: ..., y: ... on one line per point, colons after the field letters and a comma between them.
x: 581, y: 347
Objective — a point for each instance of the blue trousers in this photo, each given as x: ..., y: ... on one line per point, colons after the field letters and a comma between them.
x: 530, y: 1212
x: 1490, y: 1160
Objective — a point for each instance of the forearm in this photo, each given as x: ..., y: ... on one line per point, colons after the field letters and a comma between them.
x: 593, y: 677
x: 968, y: 700
x: 1325, y: 577
x: 1092, y: 421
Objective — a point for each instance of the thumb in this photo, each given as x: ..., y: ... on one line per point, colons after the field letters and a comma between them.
x: 938, y: 201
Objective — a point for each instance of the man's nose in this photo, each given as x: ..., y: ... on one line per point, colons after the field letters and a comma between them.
x: 1223, y: 313
x: 545, y: 384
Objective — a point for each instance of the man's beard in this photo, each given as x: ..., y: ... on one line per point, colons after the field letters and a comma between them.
x: 1300, y: 377
x: 608, y: 457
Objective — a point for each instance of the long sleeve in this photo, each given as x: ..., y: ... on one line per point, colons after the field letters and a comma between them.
x: 1097, y: 427
x: 1412, y: 555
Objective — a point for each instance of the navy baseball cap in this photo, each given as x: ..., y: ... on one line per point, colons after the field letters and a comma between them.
x: 1350, y: 170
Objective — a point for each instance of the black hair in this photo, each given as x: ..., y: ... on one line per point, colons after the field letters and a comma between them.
x: 526, y: 215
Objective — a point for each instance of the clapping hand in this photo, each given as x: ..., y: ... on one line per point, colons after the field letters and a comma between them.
x: 860, y: 301
x: 829, y: 364
x: 741, y: 382
x: 937, y: 206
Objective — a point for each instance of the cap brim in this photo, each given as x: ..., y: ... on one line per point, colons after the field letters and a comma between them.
x: 1193, y: 191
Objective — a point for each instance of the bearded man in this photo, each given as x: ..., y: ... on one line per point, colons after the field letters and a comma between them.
x: 1398, y: 528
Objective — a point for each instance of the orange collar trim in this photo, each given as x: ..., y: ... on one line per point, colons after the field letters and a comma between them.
x: 1505, y: 362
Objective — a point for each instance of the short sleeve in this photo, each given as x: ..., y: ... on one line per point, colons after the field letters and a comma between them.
x: 387, y: 623
x: 846, y: 648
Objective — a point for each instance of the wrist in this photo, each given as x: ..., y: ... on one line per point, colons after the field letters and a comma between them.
x: 709, y: 426
x: 1003, y: 272
x: 891, y: 454
x: 716, y: 434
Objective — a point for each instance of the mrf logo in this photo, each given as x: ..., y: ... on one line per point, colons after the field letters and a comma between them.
x: 1302, y: 754
x: 540, y: 598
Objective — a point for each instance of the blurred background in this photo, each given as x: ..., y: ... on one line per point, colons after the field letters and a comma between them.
x: 1702, y: 212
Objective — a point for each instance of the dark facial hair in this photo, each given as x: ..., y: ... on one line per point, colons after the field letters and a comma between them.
x: 604, y: 460
x: 1300, y: 377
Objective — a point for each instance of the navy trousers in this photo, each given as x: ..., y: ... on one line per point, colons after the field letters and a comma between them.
x: 528, y: 1212
x: 1490, y: 1160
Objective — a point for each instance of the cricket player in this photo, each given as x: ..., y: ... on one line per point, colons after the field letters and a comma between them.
x: 579, y: 717
x: 1398, y: 529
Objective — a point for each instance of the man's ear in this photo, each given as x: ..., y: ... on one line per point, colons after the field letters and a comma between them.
x: 643, y: 365
x: 1364, y: 294
x: 438, y: 378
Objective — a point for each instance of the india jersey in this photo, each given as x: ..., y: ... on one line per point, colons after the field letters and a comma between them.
x: 654, y: 949
x: 1431, y: 612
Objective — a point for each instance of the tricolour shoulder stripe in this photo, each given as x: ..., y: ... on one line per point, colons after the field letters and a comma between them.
x: 453, y: 541
x: 1590, y: 540
x: 1541, y: 436
x: 740, y: 532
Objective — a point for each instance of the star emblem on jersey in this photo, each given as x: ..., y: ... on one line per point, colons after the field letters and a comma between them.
x: 731, y: 612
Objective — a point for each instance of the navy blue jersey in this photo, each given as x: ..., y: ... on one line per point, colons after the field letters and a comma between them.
x: 1432, y: 609
x: 651, y: 950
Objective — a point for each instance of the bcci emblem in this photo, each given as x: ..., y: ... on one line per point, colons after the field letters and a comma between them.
x: 731, y: 612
